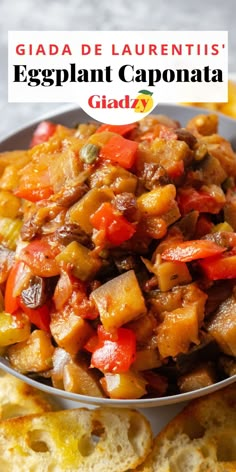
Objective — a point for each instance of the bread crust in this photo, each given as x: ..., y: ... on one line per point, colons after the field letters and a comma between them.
x: 18, y: 398
x: 202, y: 438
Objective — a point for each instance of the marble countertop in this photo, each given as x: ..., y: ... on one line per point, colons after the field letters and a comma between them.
x: 102, y: 15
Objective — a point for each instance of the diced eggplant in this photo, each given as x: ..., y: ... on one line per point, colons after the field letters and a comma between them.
x: 230, y: 213
x: 83, y: 263
x: 81, y: 211
x: 34, y: 354
x: 187, y: 224
x: 207, y: 350
x: 158, y: 201
x: 171, y: 274
x: 119, y: 301
x: 177, y: 331
x: 70, y: 331
x: 115, y: 177
x: 127, y: 385
x: 202, y: 376
x: 143, y: 328
x: 146, y: 359
x: 13, y: 330
x: 157, y: 384
x: 228, y: 365
x: 222, y: 326
x: 217, y: 294
x: 78, y: 378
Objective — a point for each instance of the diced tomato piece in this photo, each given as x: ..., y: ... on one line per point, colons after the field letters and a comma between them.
x: 191, y: 199
x: 120, y: 150
x: 219, y: 267
x: 191, y: 250
x: 40, y: 257
x: 117, y: 228
x: 40, y: 317
x: 115, y: 352
x: 70, y: 294
x: 118, y: 129
x: 43, y: 132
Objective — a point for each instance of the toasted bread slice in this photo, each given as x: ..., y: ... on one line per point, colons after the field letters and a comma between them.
x: 19, y: 399
x: 202, y: 438
x: 101, y: 440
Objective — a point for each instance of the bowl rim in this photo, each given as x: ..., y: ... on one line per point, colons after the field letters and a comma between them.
x: 97, y: 401
x: 64, y: 109
x: 125, y: 403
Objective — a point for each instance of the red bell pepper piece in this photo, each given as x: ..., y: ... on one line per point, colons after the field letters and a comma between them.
x: 40, y: 257
x: 118, y: 129
x: 219, y: 267
x: 12, y: 302
x: 159, y: 131
x: 191, y: 199
x: 120, y: 150
x: 35, y: 184
x: 92, y: 344
x: 115, y: 352
x: 40, y: 317
x: 191, y: 250
x: 43, y: 132
x: 34, y: 195
x: 117, y: 228
x: 204, y: 226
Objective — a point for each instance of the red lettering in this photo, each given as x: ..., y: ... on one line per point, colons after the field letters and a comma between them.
x: 152, y: 49
x: 98, y: 50
x: 85, y: 49
x: 20, y: 49
x: 113, y: 50
x: 40, y: 50
x: 66, y: 50
x: 91, y: 101
x: 126, y: 50
x: 53, y: 49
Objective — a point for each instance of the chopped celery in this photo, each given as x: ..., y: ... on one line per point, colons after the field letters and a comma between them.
x: 10, y: 231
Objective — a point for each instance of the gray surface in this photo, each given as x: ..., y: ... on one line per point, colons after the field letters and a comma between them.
x: 102, y: 15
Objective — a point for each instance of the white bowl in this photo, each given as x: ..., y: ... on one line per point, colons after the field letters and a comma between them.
x: 20, y: 140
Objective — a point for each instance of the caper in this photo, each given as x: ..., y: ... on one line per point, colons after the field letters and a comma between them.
x: 89, y: 153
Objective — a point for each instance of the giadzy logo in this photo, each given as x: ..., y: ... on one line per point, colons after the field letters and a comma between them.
x: 143, y: 103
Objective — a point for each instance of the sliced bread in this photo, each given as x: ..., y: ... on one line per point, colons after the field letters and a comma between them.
x: 100, y: 440
x: 19, y: 399
x: 202, y: 438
